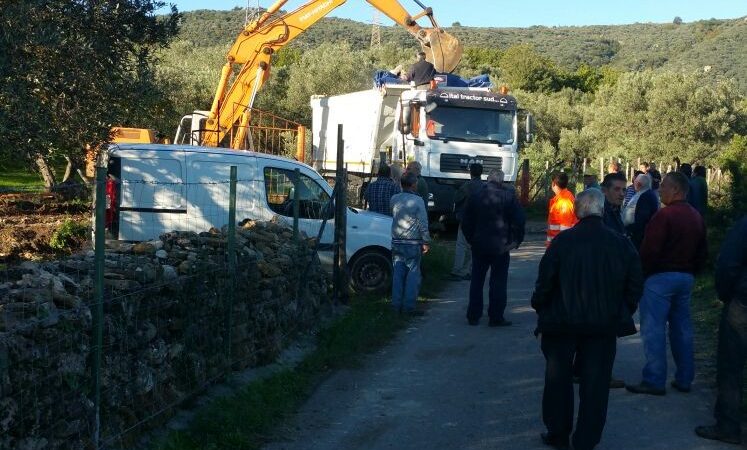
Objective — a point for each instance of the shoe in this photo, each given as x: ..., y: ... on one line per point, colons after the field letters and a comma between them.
x: 467, y: 277
x: 561, y: 444
x: 616, y: 384
x: 713, y: 433
x: 415, y: 313
x: 645, y: 388
x: 455, y: 277
x: 499, y: 323
x: 681, y: 388
x: 473, y: 322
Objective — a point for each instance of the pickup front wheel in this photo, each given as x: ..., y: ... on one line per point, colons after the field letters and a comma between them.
x: 371, y: 272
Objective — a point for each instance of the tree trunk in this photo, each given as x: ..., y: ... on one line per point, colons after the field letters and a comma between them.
x: 68, y: 169
x: 45, y: 171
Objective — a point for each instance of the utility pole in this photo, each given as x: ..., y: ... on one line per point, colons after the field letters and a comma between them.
x: 375, y: 30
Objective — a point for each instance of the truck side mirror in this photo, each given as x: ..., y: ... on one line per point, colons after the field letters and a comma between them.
x: 530, y: 128
x: 406, y: 116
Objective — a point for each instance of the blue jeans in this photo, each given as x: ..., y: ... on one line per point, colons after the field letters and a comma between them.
x: 406, y: 275
x: 666, y: 298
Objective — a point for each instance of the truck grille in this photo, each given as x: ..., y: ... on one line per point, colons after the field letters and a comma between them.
x: 461, y: 163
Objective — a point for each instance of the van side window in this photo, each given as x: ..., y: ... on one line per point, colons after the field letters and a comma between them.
x: 280, y: 186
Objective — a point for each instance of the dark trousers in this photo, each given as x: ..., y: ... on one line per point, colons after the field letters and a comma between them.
x: 732, y: 353
x: 596, y: 355
x: 497, y: 296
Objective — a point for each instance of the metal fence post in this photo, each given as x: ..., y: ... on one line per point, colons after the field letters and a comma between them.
x: 231, y: 249
x: 98, y: 306
x: 339, y: 272
x: 296, y: 203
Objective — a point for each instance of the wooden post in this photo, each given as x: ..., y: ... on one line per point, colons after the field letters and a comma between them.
x: 525, y: 182
x: 301, y: 144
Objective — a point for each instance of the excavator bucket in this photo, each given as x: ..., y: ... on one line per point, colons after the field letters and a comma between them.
x: 443, y: 50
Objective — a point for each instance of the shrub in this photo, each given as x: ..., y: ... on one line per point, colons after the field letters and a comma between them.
x: 69, y: 235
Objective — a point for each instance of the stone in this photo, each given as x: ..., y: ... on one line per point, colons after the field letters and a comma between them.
x: 32, y: 295
x: 269, y: 270
x: 122, y: 285
x: 29, y: 266
x: 157, y: 244
x: 162, y: 254
x: 169, y: 273
x: 185, y: 267
x: 143, y: 248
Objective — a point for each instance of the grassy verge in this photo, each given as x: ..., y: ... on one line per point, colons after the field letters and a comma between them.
x: 20, y: 178
x: 246, y: 419
x: 706, y: 312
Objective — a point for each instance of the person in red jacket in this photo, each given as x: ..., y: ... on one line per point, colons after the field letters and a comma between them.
x: 561, y: 214
x: 674, y: 249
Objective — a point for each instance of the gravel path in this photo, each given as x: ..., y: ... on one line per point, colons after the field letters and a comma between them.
x: 445, y: 385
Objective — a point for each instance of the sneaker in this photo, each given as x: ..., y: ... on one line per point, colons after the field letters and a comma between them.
x: 645, y: 388
x: 714, y: 433
x: 473, y: 322
x: 616, y: 384
x: 681, y: 388
x: 555, y: 442
x: 499, y: 323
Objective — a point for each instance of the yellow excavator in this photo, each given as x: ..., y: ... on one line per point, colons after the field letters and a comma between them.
x: 228, y: 120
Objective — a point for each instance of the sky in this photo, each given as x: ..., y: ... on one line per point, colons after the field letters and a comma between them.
x: 501, y: 13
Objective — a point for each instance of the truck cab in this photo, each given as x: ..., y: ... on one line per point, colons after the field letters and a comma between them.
x: 448, y: 129
x: 445, y: 128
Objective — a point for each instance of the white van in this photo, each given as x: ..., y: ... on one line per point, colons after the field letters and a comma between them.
x: 162, y: 188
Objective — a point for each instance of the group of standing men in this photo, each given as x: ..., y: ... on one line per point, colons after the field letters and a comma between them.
x: 597, y: 270
x: 588, y: 277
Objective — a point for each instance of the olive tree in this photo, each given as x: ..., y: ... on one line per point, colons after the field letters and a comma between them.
x: 71, y: 70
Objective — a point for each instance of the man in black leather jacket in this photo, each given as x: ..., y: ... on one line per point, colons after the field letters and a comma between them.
x: 493, y: 224
x: 731, y: 285
x: 587, y: 288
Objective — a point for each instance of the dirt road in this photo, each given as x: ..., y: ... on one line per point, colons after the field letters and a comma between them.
x: 445, y: 385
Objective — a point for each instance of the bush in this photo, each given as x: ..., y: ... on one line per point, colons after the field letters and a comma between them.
x: 69, y: 235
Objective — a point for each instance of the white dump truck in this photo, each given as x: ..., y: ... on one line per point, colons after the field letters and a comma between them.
x: 444, y: 128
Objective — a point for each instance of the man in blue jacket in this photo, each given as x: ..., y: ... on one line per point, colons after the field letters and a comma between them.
x: 731, y: 286
x: 493, y: 224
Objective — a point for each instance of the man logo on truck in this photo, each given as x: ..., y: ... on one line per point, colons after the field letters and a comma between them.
x: 467, y: 162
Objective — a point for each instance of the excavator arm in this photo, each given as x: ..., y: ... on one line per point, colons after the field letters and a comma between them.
x: 264, y: 36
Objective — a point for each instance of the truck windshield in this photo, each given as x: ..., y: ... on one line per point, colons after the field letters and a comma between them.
x: 471, y: 124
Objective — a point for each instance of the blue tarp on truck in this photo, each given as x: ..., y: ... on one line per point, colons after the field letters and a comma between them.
x: 382, y: 77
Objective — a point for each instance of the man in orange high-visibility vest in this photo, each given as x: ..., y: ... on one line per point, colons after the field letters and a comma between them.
x: 561, y: 215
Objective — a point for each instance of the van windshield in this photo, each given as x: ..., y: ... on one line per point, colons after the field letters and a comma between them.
x: 471, y: 124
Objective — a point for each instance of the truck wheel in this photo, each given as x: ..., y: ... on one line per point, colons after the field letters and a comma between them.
x: 371, y: 272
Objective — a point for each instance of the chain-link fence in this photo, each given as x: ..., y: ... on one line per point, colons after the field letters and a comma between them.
x: 99, y: 346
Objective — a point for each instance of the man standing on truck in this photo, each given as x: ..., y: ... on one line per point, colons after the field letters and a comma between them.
x: 422, y: 72
x: 410, y: 239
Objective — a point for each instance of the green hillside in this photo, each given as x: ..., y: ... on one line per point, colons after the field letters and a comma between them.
x: 720, y: 44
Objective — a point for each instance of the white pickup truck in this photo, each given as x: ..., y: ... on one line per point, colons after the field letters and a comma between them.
x: 181, y: 187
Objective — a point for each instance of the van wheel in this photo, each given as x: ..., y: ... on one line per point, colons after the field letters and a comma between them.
x: 371, y: 272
